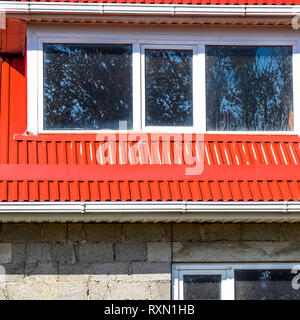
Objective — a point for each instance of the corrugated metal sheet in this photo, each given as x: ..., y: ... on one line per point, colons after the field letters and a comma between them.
x: 12, y: 38
x: 196, y: 190
x: 89, y: 167
x: 236, y: 168
x: 192, y: 2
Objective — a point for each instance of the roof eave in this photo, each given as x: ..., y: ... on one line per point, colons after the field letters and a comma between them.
x: 120, y: 212
x: 100, y: 9
x: 18, y: 13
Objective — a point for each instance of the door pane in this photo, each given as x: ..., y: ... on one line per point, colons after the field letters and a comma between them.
x: 249, y: 88
x: 265, y: 285
x: 87, y: 86
x: 169, y: 94
x: 202, y: 287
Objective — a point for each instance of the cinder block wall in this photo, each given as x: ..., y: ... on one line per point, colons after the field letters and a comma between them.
x: 126, y: 261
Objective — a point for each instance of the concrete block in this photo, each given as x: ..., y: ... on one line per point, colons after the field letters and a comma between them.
x: 5, y: 252
x: 38, y: 252
x: 246, y: 251
x: 155, y: 271
x: 160, y: 290
x: 206, y: 232
x: 290, y: 231
x: 3, y: 295
x: 3, y: 291
x: 21, y: 232
x: 143, y: 232
x: 18, y: 253
x: 187, y: 232
x: 2, y: 275
x: 41, y: 272
x: 109, y: 271
x: 96, y: 252
x: 98, y: 290
x: 54, y: 232
x: 220, y: 231
x: 47, y: 291
x: 27, y: 291
x: 63, y: 253
x: 122, y: 290
x: 97, y: 232
x: 75, y: 232
x: 12, y: 272
x: 130, y: 251
x: 159, y: 251
x: 73, y: 272
x: 260, y: 232
x: 69, y: 290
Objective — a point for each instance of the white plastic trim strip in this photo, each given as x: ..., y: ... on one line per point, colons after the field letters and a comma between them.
x: 157, y: 206
x: 151, y: 211
x: 146, y: 9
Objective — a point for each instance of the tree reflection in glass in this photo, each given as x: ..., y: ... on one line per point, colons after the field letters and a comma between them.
x: 260, y: 284
x: 169, y: 95
x: 249, y: 88
x: 87, y: 86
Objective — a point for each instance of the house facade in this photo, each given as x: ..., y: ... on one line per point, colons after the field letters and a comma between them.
x: 149, y: 150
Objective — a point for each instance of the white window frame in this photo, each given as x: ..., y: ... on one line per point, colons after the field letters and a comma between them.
x: 225, y: 270
x: 196, y: 81
x: 143, y: 38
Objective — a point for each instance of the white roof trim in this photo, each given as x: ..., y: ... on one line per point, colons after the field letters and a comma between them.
x: 150, y: 211
x: 28, y: 8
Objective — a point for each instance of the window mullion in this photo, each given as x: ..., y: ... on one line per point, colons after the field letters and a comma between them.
x: 180, y: 286
x: 34, y: 79
x: 227, y: 289
x: 136, y: 86
x: 296, y: 80
x: 199, y: 90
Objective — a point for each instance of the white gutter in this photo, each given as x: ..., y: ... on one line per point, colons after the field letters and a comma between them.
x: 28, y: 8
x: 151, y: 211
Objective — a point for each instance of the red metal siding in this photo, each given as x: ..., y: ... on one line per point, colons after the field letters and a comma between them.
x: 65, y: 167
x: 12, y: 38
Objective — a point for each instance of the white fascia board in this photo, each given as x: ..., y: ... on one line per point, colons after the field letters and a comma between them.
x: 157, y: 206
x: 146, y: 9
x: 240, y: 207
x: 151, y: 211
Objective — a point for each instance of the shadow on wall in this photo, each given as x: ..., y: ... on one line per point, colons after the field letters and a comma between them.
x: 85, y: 248
x: 85, y: 261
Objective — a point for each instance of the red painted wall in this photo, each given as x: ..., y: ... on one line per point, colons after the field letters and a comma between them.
x: 13, y: 114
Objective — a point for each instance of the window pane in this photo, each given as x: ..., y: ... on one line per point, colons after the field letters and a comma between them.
x: 265, y: 285
x: 169, y: 100
x: 87, y: 86
x: 249, y: 88
x: 202, y: 287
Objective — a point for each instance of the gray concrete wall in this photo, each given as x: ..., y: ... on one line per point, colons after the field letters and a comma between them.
x: 126, y: 261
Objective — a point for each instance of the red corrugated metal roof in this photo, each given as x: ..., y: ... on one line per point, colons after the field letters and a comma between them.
x: 236, y: 168
x: 193, y: 2
x: 65, y: 167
